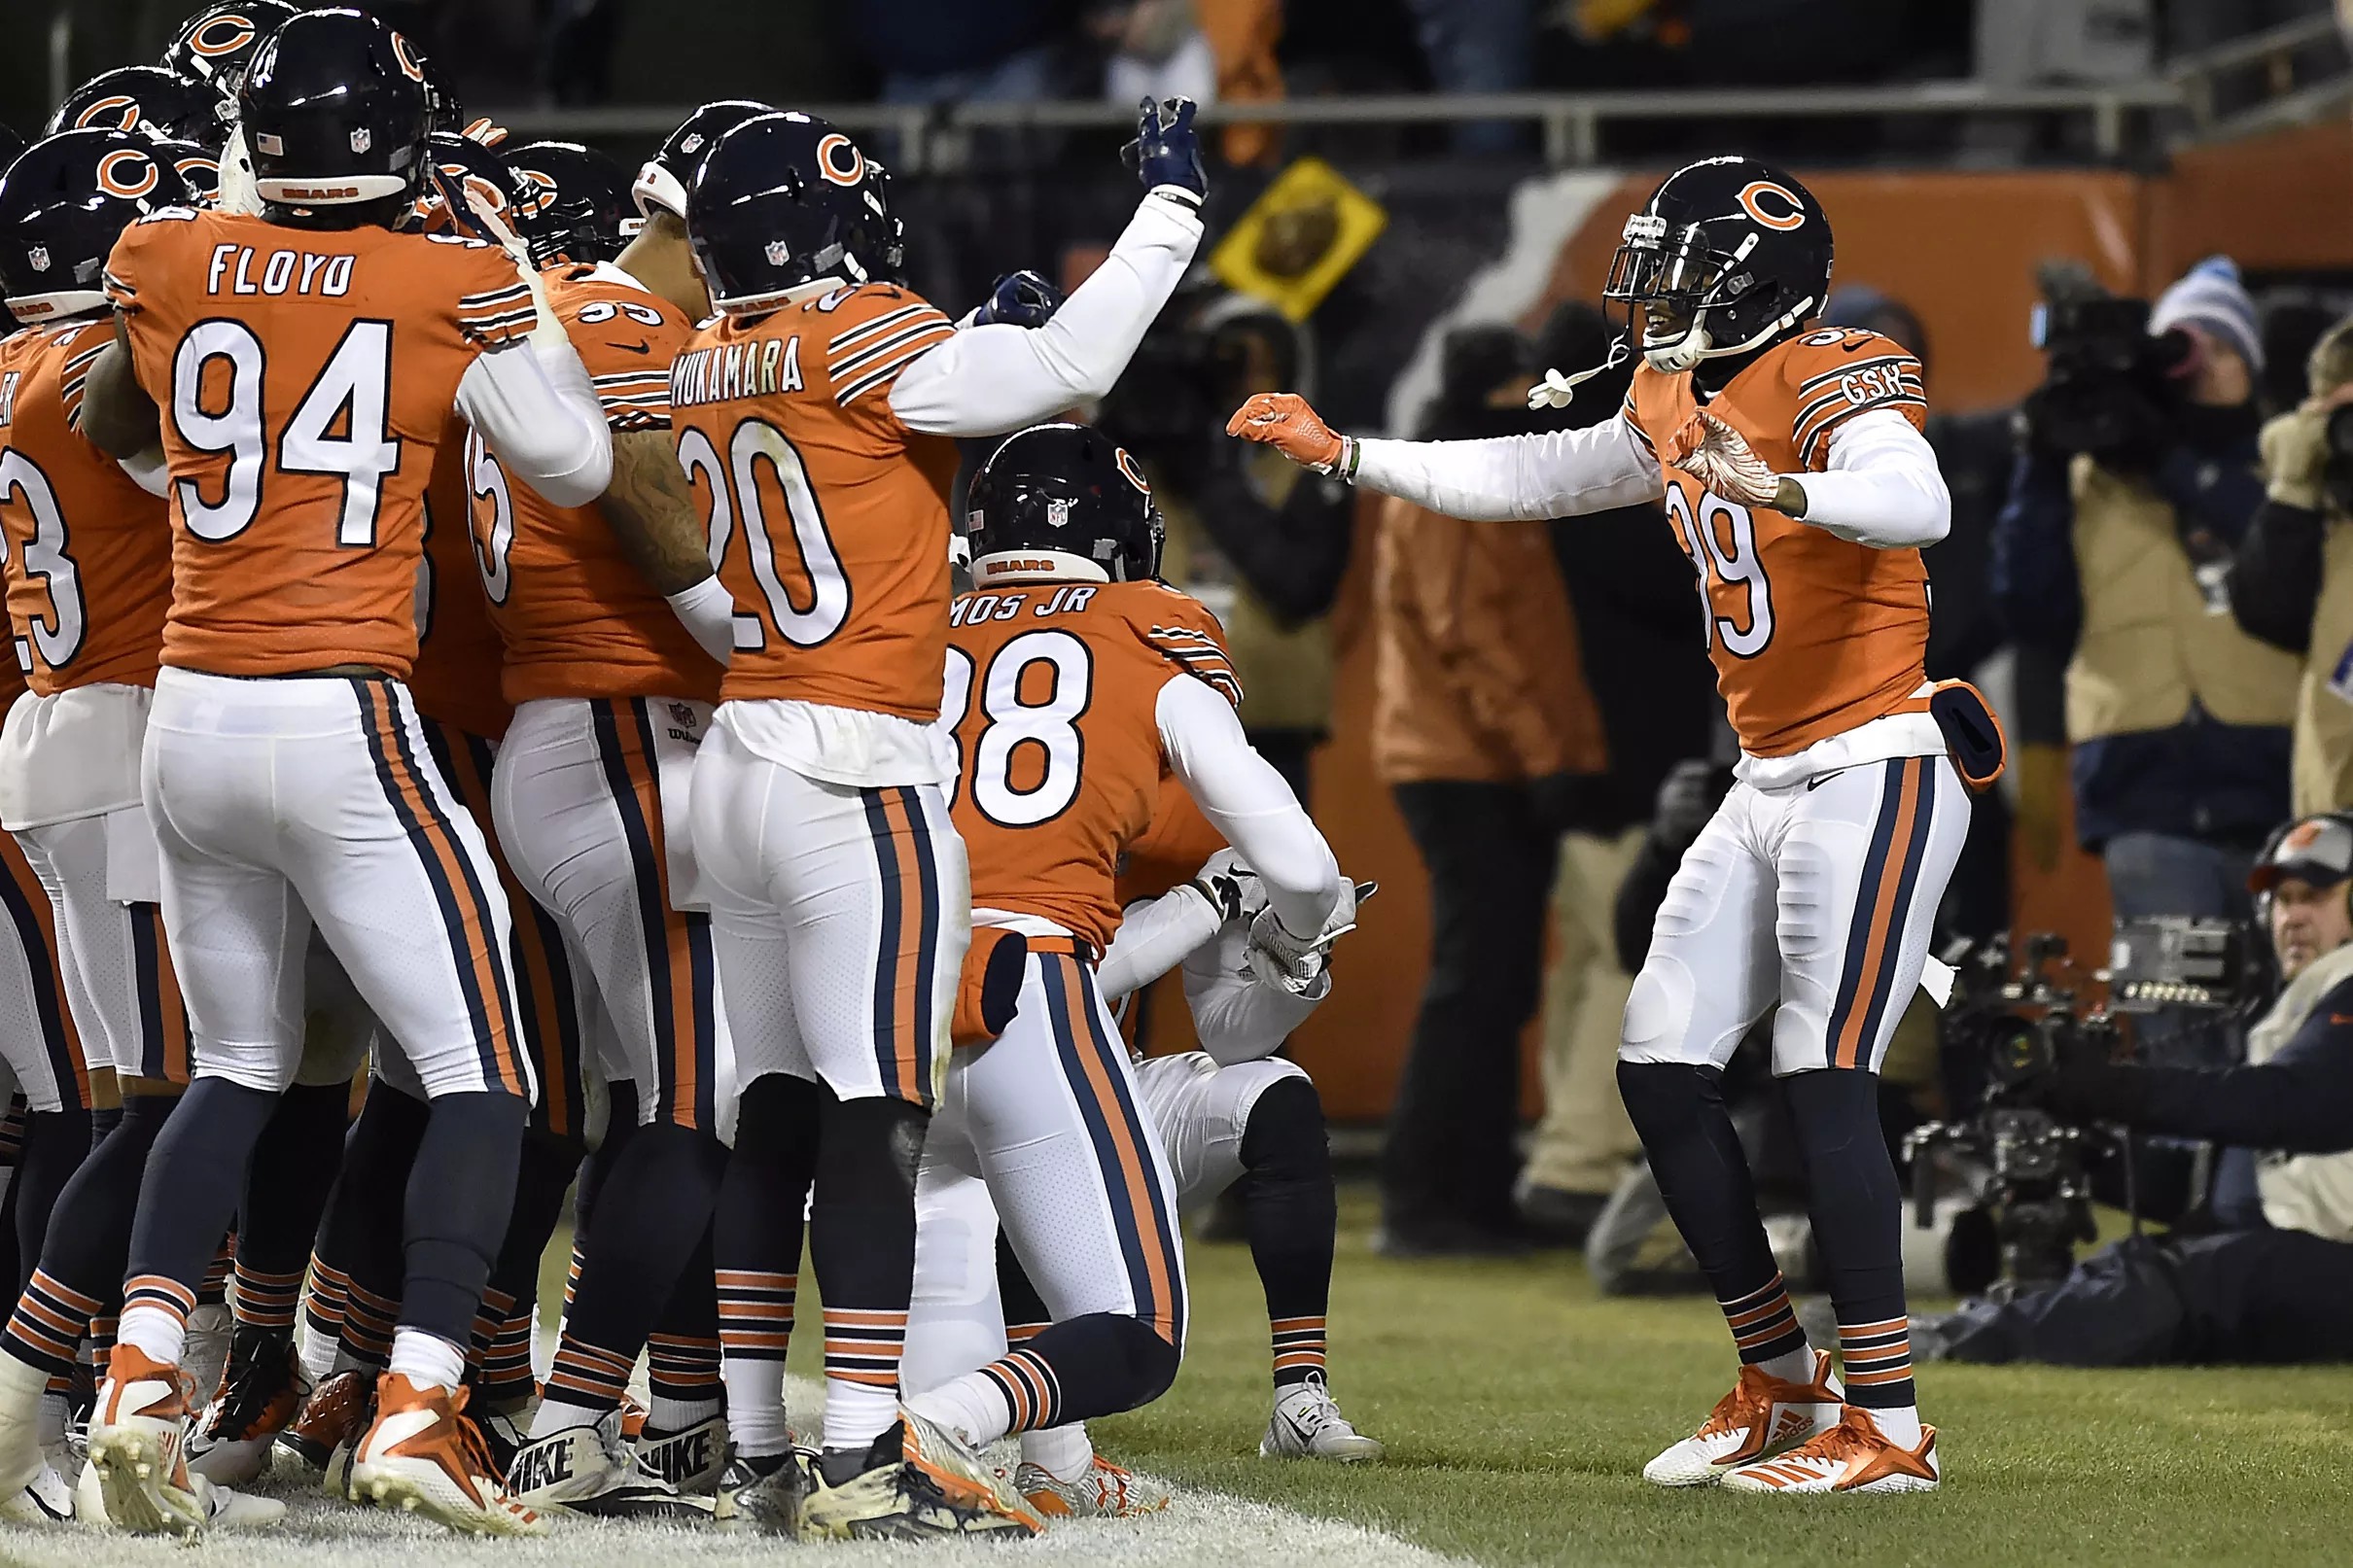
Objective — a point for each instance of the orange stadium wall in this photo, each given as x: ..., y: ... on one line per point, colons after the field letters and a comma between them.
x: 1960, y: 249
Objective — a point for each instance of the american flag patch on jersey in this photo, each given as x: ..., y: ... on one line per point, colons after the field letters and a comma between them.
x: 872, y: 353
x: 1198, y: 653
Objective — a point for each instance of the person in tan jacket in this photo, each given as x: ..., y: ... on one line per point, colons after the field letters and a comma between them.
x: 1488, y: 737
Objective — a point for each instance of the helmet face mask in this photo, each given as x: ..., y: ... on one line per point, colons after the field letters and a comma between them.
x: 1727, y: 255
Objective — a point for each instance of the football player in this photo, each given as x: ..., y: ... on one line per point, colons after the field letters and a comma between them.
x: 216, y: 44
x: 88, y: 561
x: 1078, y: 683
x: 616, y: 630
x: 583, y: 195
x: 817, y: 415
x: 659, y: 255
x: 1796, y: 477
x: 285, y: 766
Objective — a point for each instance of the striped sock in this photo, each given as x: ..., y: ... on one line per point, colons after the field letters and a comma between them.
x: 368, y: 1321
x: 46, y: 1326
x: 213, y: 1290
x: 862, y: 1350
x: 572, y: 1278
x: 322, y: 1303
x: 502, y: 1352
x: 1767, y: 1331
x: 1875, y: 1359
x: 1298, y: 1350
x: 683, y: 1372
x: 1032, y: 1394
x: 100, y: 1343
x: 755, y: 1330
x: 155, y: 1316
x: 583, y: 1378
x: 265, y: 1301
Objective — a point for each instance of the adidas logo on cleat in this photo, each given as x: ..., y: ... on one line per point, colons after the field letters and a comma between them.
x: 540, y: 1467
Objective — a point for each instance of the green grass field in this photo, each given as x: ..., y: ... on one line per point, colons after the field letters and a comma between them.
x: 1519, y: 1409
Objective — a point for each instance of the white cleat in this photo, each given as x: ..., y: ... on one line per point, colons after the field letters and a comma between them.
x: 1852, y: 1456
x: 1307, y: 1424
x: 21, y: 1433
x: 45, y: 1499
x: 1763, y: 1415
x: 204, y: 1353
x: 424, y: 1457
x: 594, y: 1470
x: 137, y: 1434
x: 690, y: 1459
x: 1106, y: 1491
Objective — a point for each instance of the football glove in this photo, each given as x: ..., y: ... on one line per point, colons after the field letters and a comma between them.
x: 1291, y: 962
x: 1232, y: 888
x: 1719, y: 457
x: 549, y: 330
x: 489, y: 133
x: 1167, y: 149
x: 1283, y: 421
x: 1019, y: 299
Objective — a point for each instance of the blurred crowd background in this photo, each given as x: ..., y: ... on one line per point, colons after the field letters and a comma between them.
x: 2116, y: 231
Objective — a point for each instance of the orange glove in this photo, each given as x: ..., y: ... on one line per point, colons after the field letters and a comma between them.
x: 1283, y: 421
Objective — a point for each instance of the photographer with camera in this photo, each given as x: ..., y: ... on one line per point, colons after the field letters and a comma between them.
x: 2113, y: 552
x: 2292, y: 584
x: 2269, y: 1281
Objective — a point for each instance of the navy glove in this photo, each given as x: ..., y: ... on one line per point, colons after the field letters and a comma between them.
x: 1019, y: 299
x: 1166, y: 151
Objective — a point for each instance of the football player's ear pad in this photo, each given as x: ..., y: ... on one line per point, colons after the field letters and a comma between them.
x: 990, y: 986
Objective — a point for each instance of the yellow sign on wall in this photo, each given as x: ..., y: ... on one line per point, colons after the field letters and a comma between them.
x: 1299, y: 239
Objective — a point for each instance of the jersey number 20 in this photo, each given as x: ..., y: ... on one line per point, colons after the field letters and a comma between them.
x: 1038, y: 737
x: 735, y: 497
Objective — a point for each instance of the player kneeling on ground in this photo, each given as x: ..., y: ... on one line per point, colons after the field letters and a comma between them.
x: 1794, y: 472
x: 1076, y: 680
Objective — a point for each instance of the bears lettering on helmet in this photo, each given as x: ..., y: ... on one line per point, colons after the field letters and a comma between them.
x: 337, y: 109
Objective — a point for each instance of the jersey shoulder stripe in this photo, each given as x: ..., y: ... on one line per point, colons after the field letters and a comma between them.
x: 903, y: 353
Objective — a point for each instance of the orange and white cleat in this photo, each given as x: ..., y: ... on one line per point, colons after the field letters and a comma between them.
x: 423, y: 1455
x: 1762, y: 1417
x: 137, y: 1444
x: 1106, y: 1491
x: 1852, y: 1456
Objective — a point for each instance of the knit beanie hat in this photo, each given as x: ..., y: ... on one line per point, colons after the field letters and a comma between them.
x: 2210, y: 297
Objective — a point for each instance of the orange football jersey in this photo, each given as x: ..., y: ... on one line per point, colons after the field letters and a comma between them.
x: 578, y: 618
x: 89, y: 552
x: 1171, y: 849
x: 1812, y: 633
x: 1057, y: 686
x: 306, y: 377
x: 830, y: 515
x: 455, y: 678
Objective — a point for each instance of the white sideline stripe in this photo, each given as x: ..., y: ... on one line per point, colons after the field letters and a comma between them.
x: 1546, y: 212
x: 1198, y: 1530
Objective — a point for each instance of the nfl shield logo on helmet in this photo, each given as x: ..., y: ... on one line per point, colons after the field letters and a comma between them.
x: 38, y: 256
x: 362, y: 139
x: 779, y: 252
x: 1058, y: 512
x: 692, y: 143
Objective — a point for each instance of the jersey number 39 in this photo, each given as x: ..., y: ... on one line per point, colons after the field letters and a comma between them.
x: 1722, y: 544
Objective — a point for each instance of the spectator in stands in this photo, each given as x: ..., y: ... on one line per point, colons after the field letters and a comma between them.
x: 1965, y: 638
x: 1154, y: 50
x: 2292, y: 584
x: 1630, y: 591
x: 1488, y: 740
x: 1479, y: 46
x: 2268, y: 1280
x: 2113, y: 550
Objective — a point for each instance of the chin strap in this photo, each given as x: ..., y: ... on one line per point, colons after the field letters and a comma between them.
x: 1556, y: 391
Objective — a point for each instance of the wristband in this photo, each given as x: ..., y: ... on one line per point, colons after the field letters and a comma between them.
x: 1344, y: 467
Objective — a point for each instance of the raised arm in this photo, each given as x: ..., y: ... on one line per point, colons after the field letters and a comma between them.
x: 1510, y: 478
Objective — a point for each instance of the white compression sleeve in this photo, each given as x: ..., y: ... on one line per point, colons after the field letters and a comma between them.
x: 707, y: 612
x: 1524, y: 479
x: 146, y: 470
x: 1247, y: 802
x: 536, y: 410
x: 1882, y: 489
x: 988, y: 380
x: 1235, y: 1016
x: 1154, y: 936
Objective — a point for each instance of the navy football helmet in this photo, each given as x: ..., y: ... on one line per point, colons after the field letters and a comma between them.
x: 145, y: 97
x: 334, y: 109
x: 669, y: 174
x: 63, y: 204
x: 214, y: 45
x: 584, y: 211
x: 198, y: 168
x: 463, y: 166
x: 1068, y: 494
x: 784, y: 200
x: 1727, y: 254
